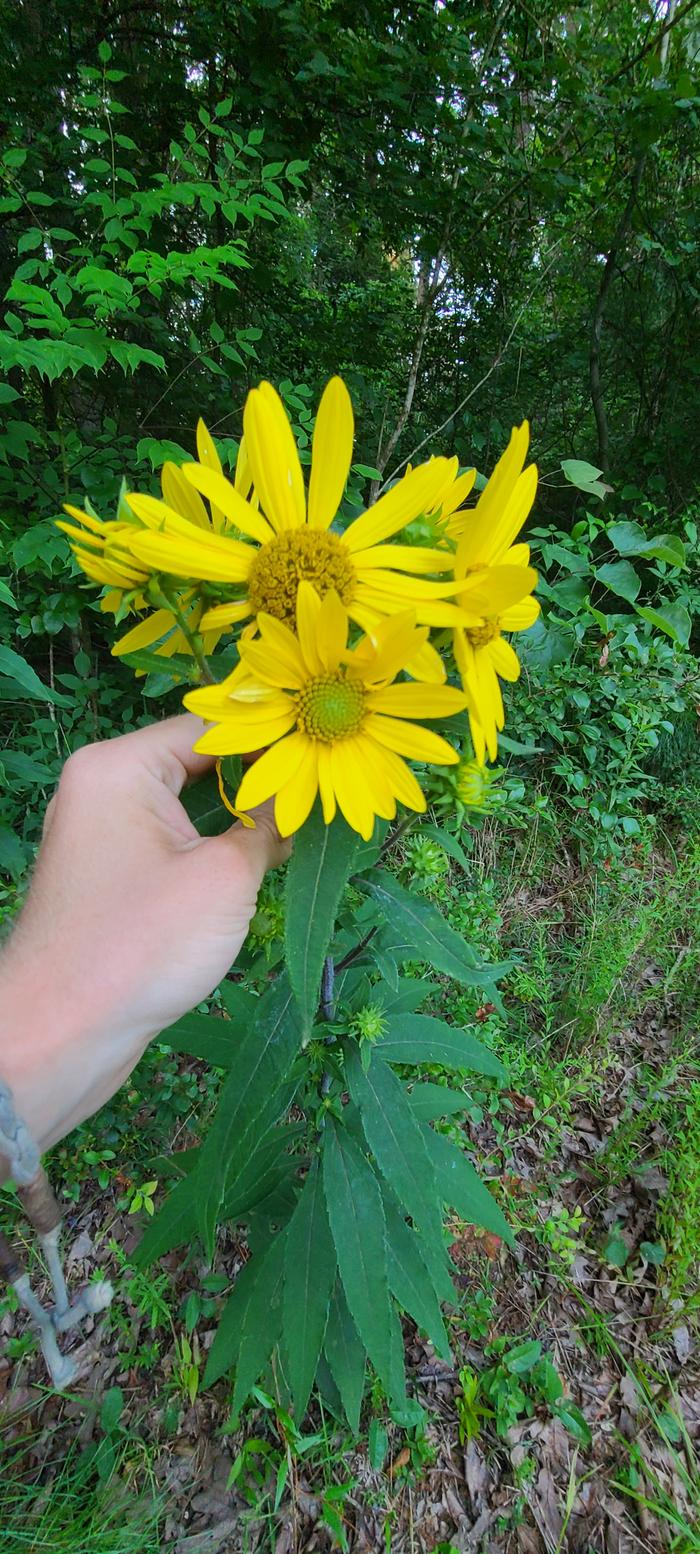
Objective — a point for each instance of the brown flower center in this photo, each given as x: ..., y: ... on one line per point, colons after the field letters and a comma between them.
x: 304, y: 554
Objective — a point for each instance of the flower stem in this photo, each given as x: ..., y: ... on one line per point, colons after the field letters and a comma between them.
x: 168, y: 601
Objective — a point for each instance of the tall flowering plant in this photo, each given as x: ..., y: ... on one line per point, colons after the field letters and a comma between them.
x: 322, y: 654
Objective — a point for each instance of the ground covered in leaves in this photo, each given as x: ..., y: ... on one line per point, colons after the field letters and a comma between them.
x: 571, y: 1415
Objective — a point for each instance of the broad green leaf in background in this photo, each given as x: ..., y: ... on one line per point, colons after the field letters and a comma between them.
x: 421, y: 1038
x: 629, y: 539
x: 356, y: 1215
x: 461, y: 1188
x: 585, y: 476
x: 243, y: 1341
x: 448, y: 842
x: 426, y: 931
x: 346, y: 1356
x: 174, y: 1223
x: 621, y: 578
x: 6, y: 596
x: 394, y: 1137
x: 13, y: 854
x: 671, y: 618
x: 318, y: 871
x: 309, y: 1276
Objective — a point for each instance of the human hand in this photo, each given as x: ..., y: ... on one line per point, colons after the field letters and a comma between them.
x: 131, y: 919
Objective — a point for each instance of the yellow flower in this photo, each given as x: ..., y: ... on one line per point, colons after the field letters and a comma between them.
x: 102, y: 551
x: 334, y: 722
x: 496, y: 588
x: 290, y: 540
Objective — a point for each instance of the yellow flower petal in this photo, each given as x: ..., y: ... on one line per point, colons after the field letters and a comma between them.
x: 178, y: 494
x: 421, y: 744
x: 407, y: 558
x: 491, y: 592
x: 276, y: 657
x: 228, y: 500
x: 367, y: 769
x: 519, y: 616
x: 517, y: 556
x: 331, y: 453
x: 504, y: 659
x: 206, y: 450
x: 457, y: 494
x: 236, y: 737
x: 332, y: 631
x: 325, y: 783
x: 147, y: 632
x: 427, y: 664
x: 352, y: 792
x: 295, y: 800
x: 410, y: 497
x: 308, y: 613
x: 185, y: 558
x: 271, y: 771
x: 96, y: 525
x: 273, y: 457
x: 494, y: 528
x: 417, y: 701
x: 403, y: 782
x: 221, y: 615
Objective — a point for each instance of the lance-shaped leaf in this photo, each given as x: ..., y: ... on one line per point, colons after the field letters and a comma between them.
x: 318, y: 871
x: 250, y: 1324
x: 204, y: 1036
x: 346, y: 1357
x: 428, y: 1101
x: 461, y: 1188
x: 174, y: 1223
x: 251, y: 1099
x: 309, y: 1276
x: 421, y: 1038
x: 395, y: 1138
x: 427, y: 934
x: 410, y: 1280
x: 356, y: 1215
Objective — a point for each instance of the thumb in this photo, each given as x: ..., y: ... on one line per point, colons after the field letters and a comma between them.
x: 255, y: 848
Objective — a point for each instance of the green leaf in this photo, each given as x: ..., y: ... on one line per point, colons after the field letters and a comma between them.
x: 27, y: 681
x: 174, y: 1223
x: 345, y: 1354
x: 410, y: 1281
x: 203, y: 1036
x: 585, y: 476
x: 672, y: 618
x: 428, y: 1101
x: 13, y: 853
x: 421, y: 1038
x: 448, y: 842
x: 461, y: 1188
x: 426, y: 932
x: 394, y: 1137
x: 356, y: 1215
x: 250, y: 1324
x: 251, y: 1097
x: 318, y: 871
x: 25, y: 769
x: 629, y: 539
x: 621, y: 578
x: 573, y: 1421
x: 309, y: 1277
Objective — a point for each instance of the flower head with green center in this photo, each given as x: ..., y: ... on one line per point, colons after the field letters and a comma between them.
x: 289, y: 539
x: 332, y: 718
x: 496, y: 588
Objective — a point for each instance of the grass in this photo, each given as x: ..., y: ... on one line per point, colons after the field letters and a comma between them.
x: 99, y: 1500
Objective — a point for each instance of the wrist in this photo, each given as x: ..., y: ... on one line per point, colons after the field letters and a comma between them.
x: 41, y: 1042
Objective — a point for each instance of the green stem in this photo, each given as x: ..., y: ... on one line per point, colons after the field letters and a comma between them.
x: 167, y: 601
